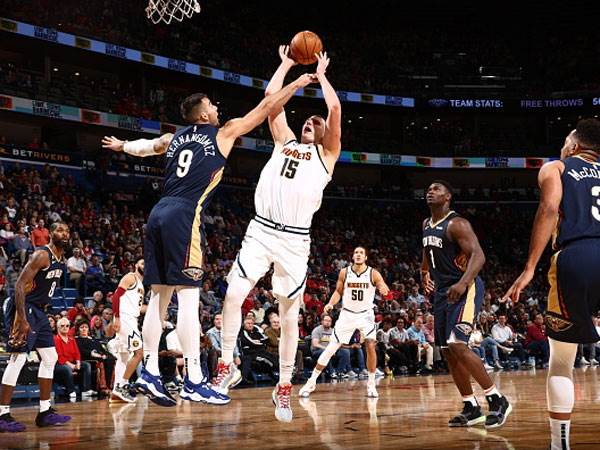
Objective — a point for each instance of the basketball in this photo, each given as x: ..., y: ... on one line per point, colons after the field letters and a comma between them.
x: 303, y: 47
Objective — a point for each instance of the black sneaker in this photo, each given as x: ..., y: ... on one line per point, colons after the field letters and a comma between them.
x: 470, y: 416
x: 50, y: 418
x: 499, y: 411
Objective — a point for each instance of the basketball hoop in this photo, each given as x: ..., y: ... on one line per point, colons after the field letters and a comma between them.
x: 167, y: 10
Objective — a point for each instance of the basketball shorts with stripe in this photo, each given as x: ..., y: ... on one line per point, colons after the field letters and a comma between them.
x: 288, y: 252
x: 574, y: 295
x: 453, y: 322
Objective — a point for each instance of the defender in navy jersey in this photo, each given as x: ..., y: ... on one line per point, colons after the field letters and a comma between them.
x: 452, y: 259
x: 195, y: 160
x: 28, y: 328
x: 570, y: 210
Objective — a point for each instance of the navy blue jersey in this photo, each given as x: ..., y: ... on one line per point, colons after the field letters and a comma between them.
x: 446, y: 261
x: 580, y: 205
x: 45, y: 281
x: 194, y: 164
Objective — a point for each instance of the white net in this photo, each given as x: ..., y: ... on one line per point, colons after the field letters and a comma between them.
x: 167, y: 10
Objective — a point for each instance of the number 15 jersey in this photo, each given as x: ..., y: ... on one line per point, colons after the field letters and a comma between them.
x: 290, y: 188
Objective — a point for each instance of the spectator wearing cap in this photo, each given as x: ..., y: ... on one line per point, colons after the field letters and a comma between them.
x: 78, y: 309
x: 536, y: 341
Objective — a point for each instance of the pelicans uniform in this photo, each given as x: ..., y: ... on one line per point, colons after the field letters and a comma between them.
x: 357, y: 306
x: 40, y: 294
x: 175, y: 234
x: 289, y: 192
x: 130, y: 303
x: 574, y: 282
x: 447, y: 264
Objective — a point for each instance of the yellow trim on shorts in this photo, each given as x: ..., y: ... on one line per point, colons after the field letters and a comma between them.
x: 195, y: 255
x: 469, y: 311
x: 553, y: 300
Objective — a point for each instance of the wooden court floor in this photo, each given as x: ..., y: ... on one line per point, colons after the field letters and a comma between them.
x: 411, y: 413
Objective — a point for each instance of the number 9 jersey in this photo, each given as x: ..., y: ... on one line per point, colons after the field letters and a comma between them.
x: 174, y: 234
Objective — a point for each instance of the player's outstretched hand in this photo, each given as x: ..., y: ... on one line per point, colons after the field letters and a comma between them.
x: 327, y: 309
x: 19, y: 334
x: 323, y: 63
x: 113, y: 143
x: 520, y: 283
x: 306, y: 79
x: 284, y: 54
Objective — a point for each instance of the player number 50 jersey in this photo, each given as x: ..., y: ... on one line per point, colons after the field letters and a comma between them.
x: 132, y: 299
x: 359, y: 290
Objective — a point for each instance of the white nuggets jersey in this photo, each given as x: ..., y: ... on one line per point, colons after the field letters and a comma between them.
x: 359, y: 291
x: 132, y: 299
x: 290, y: 188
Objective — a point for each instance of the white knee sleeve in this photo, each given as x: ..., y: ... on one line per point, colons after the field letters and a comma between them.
x: 288, y: 343
x: 188, y: 330
x: 328, y: 353
x: 237, y: 291
x: 13, y: 369
x: 560, y: 390
x: 160, y: 297
x: 48, y: 357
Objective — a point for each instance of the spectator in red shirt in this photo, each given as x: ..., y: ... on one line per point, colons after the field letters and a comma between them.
x: 536, y: 341
x: 40, y: 236
x: 69, y: 365
x: 78, y: 310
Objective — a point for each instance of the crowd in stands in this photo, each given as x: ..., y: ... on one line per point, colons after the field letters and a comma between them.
x: 450, y: 46
x: 107, y: 236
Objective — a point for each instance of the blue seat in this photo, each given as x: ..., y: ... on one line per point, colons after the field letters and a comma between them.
x: 69, y: 301
x: 69, y: 292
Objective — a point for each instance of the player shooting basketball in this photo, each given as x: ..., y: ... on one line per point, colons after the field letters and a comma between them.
x: 289, y: 192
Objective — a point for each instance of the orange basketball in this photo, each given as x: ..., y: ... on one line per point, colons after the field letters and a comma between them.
x: 304, y: 46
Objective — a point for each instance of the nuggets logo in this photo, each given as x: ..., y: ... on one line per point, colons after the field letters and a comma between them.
x: 557, y: 324
x: 464, y: 328
x: 194, y: 273
x: 135, y: 343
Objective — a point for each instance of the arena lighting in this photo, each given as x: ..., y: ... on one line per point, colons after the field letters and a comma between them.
x: 55, y: 69
x: 488, y: 77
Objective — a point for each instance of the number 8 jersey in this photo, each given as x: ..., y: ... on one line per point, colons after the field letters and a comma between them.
x: 45, y: 281
x: 290, y: 188
x: 359, y: 290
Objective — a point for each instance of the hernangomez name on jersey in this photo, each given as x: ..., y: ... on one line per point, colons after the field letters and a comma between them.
x: 291, y: 184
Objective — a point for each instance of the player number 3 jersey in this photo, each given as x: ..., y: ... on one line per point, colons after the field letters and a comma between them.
x: 131, y: 301
x: 359, y: 290
x: 290, y: 188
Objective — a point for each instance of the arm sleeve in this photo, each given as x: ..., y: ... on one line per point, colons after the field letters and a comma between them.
x: 116, y: 301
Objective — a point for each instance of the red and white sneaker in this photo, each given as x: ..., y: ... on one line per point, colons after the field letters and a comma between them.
x: 282, y: 401
x: 228, y: 377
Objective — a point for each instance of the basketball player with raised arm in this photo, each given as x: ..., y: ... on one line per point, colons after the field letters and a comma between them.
x: 195, y: 160
x: 289, y: 192
x: 452, y: 260
x: 126, y: 304
x: 570, y: 208
x: 356, y: 287
x: 28, y: 328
